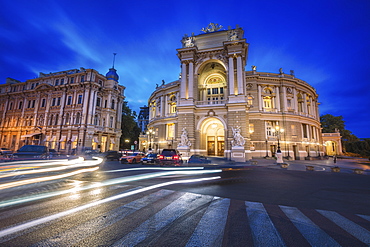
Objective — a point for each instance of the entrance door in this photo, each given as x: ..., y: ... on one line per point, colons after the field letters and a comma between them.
x: 211, y: 145
x: 220, y: 148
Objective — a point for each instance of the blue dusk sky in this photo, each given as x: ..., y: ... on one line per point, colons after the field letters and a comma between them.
x: 326, y: 43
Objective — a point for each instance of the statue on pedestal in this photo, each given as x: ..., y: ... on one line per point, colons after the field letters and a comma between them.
x: 184, y: 141
x: 238, y: 140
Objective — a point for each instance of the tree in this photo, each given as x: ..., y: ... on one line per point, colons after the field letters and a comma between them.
x: 130, y: 130
x: 330, y: 124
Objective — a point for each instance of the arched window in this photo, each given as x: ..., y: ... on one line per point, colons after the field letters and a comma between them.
x: 111, y: 122
x: 67, y: 119
x: 56, y: 119
x: 96, y: 120
x: 51, y: 119
x: 172, y: 104
x: 78, y: 116
x: 250, y: 100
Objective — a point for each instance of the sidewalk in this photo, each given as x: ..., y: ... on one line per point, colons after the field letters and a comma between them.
x: 345, y: 165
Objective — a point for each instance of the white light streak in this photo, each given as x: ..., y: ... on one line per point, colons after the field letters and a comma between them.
x: 105, y: 183
x: 34, y: 223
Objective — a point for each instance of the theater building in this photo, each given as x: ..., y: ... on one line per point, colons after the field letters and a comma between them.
x: 69, y: 111
x: 217, y: 108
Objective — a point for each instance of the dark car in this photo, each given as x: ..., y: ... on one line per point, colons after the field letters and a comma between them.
x: 4, y: 151
x: 170, y: 157
x: 54, y: 153
x: 32, y: 152
x: 113, y: 155
x: 196, y: 158
x: 150, y: 159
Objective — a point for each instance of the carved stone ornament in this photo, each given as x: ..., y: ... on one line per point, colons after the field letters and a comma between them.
x: 212, y: 27
x: 184, y: 141
x: 187, y: 41
x: 233, y: 35
x: 238, y: 139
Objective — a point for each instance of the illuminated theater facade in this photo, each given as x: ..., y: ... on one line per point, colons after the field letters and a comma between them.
x: 217, y: 108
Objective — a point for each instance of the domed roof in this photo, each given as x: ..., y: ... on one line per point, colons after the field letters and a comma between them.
x: 112, y: 74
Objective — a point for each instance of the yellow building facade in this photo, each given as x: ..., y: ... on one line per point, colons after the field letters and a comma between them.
x: 69, y: 111
x: 217, y: 108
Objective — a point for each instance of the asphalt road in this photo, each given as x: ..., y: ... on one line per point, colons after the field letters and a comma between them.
x: 120, y: 205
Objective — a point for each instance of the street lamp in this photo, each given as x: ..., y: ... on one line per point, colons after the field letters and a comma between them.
x: 127, y: 142
x: 279, y: 155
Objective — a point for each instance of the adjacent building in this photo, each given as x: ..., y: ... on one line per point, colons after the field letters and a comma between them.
x: 70, y: 111
x: 218, y: 108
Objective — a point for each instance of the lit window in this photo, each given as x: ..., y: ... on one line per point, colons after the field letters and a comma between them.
x: 170, y: 130
x: 267, y: 102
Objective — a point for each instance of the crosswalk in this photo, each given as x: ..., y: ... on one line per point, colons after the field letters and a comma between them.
x: 163, y: 217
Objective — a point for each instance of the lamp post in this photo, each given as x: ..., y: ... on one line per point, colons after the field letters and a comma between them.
x: 127, y: 143
x: 267, y: 152
x: 279, y: 155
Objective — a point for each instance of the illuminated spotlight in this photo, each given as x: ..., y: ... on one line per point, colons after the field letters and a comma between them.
x: 43, y: 179
x: 39, y: 221
x: 101, y: 184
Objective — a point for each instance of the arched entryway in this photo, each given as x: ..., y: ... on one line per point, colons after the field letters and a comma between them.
x: 213, y: 137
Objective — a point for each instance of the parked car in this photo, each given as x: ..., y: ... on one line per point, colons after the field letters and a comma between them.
x: 132, y: 158
x: 196, y: 158
x: 4, y: 151
x: 150, y: 159
x: 170, y: 157
x: 54, y: 153
x: 32, y: 152
x: 113, y: 155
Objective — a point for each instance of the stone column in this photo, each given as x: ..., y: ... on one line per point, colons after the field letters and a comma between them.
x: 284, y: 99
x: 191, y: 81
x: 259, y: 98
x: 231, y: 76
x: 277, y: 99
x: 304, y: 103
x: 240, y: 75
x: 295, y: 101
x: 183, y: 81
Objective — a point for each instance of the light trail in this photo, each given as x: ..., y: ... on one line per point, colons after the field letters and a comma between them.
x: 43, y: 179
x: 101, y: 184
x: 34, y: 223
x: 73, y: 164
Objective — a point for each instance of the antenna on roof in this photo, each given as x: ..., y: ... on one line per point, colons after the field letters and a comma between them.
x: 114, y: 58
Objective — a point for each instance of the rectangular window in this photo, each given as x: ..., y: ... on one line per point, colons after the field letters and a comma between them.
x: 98, y: 102
x: 72, y: 80
x: 20, y: 105
x: 170, y: 130
x: 69, y: 100
x: 251, y: 128
x: 33, y: 103
x: 105, y: 104
x: 61, y: 81
x: 43, y: 102
x: 29, y: 104
x: 32, y: 85
x: 79, y: 101
x: 53, y: 102
x: 82, y: 78
x: 221, y: 90
x: 208, y: 91
x: 58, y: 102
x: 56, y: 82
x: 214, y: 90
x: 304, y: 129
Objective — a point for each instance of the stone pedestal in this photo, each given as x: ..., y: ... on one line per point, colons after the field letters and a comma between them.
x: 185, y: 152
x: 279, y: 158
x: 238, y: 154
